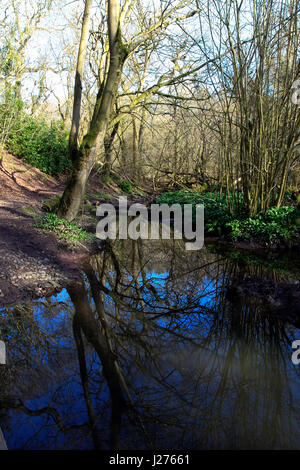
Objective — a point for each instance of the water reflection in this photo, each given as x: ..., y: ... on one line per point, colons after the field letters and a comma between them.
x: 147, y: 351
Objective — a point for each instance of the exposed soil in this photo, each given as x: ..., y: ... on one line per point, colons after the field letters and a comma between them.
x: 32, y: 262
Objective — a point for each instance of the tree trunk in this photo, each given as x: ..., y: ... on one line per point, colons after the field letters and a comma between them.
x: 73, y: 138
x: 86, y: 155
x: 108, y: 148
x: 135, y: 155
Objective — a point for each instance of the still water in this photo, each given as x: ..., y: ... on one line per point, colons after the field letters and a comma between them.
x: 147, y: 351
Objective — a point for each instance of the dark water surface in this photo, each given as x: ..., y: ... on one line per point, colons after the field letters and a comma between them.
x: 147, y: 352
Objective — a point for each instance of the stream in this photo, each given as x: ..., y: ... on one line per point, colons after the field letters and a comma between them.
x: 147, y: 351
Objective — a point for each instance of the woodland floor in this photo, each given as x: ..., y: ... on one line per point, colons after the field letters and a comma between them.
x: 33, y: 262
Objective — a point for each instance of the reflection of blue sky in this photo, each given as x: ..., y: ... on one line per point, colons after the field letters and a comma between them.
x: 51, y: 376
x: 54, y: 358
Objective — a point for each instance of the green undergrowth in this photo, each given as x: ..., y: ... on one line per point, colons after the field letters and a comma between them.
x: 63, y: 229
x: 277, y: 225
x: 43, y: 145
x: 125, y: 186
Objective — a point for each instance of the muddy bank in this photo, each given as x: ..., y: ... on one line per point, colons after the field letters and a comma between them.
x: 32, y: 262
x: 278, y: 298
x: 255, y: 245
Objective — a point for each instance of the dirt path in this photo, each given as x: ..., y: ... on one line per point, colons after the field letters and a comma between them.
x: 32, y: 262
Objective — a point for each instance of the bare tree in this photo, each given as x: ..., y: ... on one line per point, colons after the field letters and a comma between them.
x: 85, y: 156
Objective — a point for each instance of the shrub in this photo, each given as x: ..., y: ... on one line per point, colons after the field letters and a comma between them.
x: 276, y: 225
x: 125, y: 186
x: 216, y: 212
x: 39, y: 144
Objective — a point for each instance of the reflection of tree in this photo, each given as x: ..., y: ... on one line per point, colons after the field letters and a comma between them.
x: 97, y: 335
x: 184, y: 366
x: 233, y: 342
